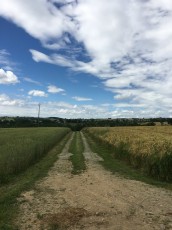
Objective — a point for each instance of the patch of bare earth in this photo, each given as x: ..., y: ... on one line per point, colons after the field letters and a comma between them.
x: 95, y: 199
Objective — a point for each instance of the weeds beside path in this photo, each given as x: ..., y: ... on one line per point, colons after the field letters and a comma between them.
x: 22, y: 182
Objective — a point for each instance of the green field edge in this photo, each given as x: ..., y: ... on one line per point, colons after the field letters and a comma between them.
x: 120, y: 167
x: 77, y: 158
x: 9, y: 207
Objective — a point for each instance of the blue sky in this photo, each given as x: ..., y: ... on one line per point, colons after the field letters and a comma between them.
x: 86, y: 58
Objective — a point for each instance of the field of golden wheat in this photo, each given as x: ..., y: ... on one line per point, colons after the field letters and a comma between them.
x: 147, y: 148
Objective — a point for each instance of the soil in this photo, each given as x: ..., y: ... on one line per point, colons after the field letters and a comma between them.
x: 94, y: 199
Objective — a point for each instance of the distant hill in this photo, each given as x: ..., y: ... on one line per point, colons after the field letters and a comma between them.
x: 78, y: 124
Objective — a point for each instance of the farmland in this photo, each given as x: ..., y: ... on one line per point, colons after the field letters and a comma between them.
x: 75, y: 190
x: 20, y: 148
x: 73, y: 196
x: 145, y: 148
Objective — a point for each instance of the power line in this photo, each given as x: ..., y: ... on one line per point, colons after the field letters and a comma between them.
x: 39, y: 109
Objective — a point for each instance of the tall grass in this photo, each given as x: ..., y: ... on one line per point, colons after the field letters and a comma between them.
x: 145, y: 148
x: 22, y: 147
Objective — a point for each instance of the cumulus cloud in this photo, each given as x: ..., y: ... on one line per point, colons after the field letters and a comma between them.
x: 82, y: 99
x: 127, y: 44
x: 58, y: 109
x: 8, y: 77
x: 5, y: 100
x: 54, y: 89
x: 37, y: 93
x: 18, y: 107
x: 67, y: 110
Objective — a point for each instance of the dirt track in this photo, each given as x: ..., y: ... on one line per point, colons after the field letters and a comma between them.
x: 95, y: 199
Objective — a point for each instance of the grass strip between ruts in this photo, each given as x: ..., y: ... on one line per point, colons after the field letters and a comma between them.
x: 77, y: 158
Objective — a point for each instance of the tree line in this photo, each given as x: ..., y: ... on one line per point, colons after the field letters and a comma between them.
x: 78, y: 124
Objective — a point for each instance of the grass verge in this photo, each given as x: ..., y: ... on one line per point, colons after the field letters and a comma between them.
x: 77, y: 148
x: 8, y: 193
x: 121, y: 167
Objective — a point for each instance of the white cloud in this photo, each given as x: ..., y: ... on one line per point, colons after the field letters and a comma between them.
x: 5, y: 100
x: 54, y: 89
x: 131, y: 51
x: 37, y: 93
x: 106, y: 40
x: 82, y: 99
x: 4, y: 58
x: 38, y: 56
x: 8, y: 77
x: 17, y: 107
x: 27, y: 79
x: 64, y: 61
x: 40, y: 18
x: 5, y: 61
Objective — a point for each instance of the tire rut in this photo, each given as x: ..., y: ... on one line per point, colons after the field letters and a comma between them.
x: 88, y: 154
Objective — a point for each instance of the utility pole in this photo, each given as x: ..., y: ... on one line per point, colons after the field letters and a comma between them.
x: 39, y: 108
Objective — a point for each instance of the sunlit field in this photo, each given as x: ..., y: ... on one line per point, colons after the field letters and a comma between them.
x: 147, y: 148
x: 22, y: 147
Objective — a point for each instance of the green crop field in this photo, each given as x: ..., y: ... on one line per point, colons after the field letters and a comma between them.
x: 145, y: 148
x: 22, y: 147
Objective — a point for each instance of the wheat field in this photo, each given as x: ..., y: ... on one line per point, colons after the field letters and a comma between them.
x: 147, y: 148
x: 22, y: 147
